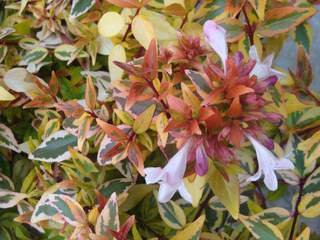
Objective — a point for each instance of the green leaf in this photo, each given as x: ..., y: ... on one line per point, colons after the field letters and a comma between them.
x: 303, y: 36
x: 227, y: 190
x: 192, y: 231
x: 143, y: 121
x: 172, y: 214
x: 283, y: 19
x: 108, y: 219
x: 55, y: 147
x: 80, y: 7
x: 7, y: 139
x: 306, y: 118
x: 115, y: 186
x: 6, y: 183
x: 261, y: 229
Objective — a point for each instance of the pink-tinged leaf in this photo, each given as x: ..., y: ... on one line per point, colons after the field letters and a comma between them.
x: 178, y: 105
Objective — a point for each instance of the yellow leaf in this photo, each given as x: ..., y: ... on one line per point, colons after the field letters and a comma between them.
x: 110, y: 24
x: 163, y: 31
x: 227, y: 191
x: 190, y: 98
x: 170, y: 2
x: 142, y: 31
x: 195, y: 187
x: 5, y: 95
x: 117, y: 54
x: 143, y: 121
x: 192, y: 231
x: 305, y: 235
x: 161, y: 123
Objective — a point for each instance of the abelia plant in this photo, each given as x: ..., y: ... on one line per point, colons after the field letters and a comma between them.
x: 125, y: 119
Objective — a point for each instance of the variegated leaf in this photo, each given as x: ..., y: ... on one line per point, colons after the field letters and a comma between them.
x: 7, y: 139
x: 192, y: 231
x: 35, y: 56
x: 109, y: 218
x: 116, y: 185
x: 59, y: 207
x: 80, y: 7
x: 172, y: 214
x: 261, y: 229
x: 55, y: 147
x: 10, y: 199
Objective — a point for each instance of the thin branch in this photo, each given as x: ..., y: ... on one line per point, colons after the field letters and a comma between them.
x: 130, y: 26
x: 203, y: 205
x: 296, y: 207
x: 260, y: 195
x: 250, y: 30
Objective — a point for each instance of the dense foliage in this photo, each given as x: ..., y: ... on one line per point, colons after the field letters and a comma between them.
x: 157, y: 119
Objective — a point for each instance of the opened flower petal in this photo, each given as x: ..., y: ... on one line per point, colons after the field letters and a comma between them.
x: 267, y: 164
x: 215, y: 36
x: 170, y: 177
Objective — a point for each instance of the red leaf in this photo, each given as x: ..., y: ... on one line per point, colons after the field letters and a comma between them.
x: 129, y: 68
x: 124, y: 230
x: 150, y: 64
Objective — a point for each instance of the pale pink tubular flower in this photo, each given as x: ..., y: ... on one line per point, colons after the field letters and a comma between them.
x: 215, y: 36
x: 170, y: 177
x: 267, y: 164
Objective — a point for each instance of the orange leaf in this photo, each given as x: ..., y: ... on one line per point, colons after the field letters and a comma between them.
x: 126, y: 3
x: 135, y: 156
x: 236, y: 135
x: 235, y: 109
x: 136, y: 94
x: 238, y: 90
x: 53, y: 84
x: 90, y: 95
x: 112, y: 131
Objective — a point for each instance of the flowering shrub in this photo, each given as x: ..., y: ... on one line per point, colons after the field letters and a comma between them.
x: 127, y: 119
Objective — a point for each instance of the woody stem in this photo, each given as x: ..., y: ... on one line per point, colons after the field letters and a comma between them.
x: 130, y: 26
